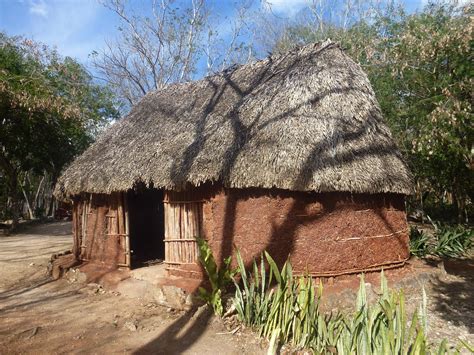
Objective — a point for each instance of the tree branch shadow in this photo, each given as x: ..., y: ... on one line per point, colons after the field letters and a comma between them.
x: 453, y: 297
x: 180, y: 335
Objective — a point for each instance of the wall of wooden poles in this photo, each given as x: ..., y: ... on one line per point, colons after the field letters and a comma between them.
x: 183, y: 224
x: 101, y: 228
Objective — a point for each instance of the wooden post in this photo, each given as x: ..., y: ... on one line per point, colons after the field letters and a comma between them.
x: 127, y: 233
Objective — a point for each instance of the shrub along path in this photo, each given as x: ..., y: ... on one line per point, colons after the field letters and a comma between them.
x: 38, y: 315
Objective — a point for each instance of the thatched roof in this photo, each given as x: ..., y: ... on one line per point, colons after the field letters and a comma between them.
x: 306, y: 120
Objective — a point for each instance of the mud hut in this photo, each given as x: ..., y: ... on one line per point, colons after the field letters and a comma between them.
x: 289, y: 154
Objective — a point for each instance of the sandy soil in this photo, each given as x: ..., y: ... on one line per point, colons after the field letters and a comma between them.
x: 41, y: 316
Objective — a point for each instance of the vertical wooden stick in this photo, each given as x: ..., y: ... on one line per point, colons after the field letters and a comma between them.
x: 127, y: 233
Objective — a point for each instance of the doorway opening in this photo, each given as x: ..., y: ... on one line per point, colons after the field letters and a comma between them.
x: 146, y: 227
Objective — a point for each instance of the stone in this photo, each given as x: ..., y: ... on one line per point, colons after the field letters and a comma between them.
x: 130, y: 325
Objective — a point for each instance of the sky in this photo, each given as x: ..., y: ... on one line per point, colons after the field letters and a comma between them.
x: 76, y: 28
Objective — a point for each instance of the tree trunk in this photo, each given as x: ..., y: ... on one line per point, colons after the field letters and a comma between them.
x: 28, y: 206
x: 38, y: 191
x: 15, y: 200
x: 11, y: 175
x: 51, y: 207
x: 458, y: 200
x: 52, y: 202
x: 27, y: 200
x: 457, y: 206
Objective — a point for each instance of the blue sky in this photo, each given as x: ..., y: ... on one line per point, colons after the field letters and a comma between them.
x: 75, y: 27
x: 78, y: 27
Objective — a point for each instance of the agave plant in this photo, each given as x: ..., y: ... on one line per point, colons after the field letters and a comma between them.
x: 419, y: 243
x: 453, y: 242
x: 288, y: 312
x: 219, y: 278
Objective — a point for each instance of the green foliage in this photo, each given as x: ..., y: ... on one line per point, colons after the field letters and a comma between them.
x: 434, y: 82
x: 50, y: 108
x: 448, y: 241
x: 251, y: 302
x: 219, y: 278
x: 452, y: 242
x: 288, y: 312
x: 418, y: 243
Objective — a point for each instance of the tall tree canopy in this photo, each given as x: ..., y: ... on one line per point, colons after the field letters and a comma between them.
x: 50, y: 111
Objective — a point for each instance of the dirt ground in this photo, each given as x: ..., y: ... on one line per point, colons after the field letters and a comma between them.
x: 41, y: 316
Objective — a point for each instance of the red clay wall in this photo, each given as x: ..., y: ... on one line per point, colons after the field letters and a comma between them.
x: 324, y: 234
x: 97, y: 238
x: 330, y: 233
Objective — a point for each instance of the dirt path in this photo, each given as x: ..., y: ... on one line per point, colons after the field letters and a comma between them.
x: 41, y: 316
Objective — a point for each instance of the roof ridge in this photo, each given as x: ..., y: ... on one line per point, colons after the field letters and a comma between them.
x: 276, y: 57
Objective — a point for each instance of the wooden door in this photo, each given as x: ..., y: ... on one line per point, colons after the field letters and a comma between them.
x: 183, y: 224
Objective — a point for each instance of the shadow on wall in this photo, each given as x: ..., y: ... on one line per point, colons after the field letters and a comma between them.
x: 242, y: 133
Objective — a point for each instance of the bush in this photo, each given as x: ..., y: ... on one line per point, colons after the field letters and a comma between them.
x: 452, y: 242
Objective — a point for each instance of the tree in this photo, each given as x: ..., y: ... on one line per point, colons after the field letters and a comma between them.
x: 50, y: 111
x: 152, y: 51
x: 433, y: 69
x: 164, y: 44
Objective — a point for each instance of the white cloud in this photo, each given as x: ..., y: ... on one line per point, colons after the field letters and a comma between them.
x: 38, y: 7
x: 287, y: 6
x: 70, y: 26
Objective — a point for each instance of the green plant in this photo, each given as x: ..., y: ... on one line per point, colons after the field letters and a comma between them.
x: 452, y: 242
x: 288, y: 312
x: 449, y: 241
x: 418, y: 243
x: 382, y: 328
x: 251, y: 301
x: 219, y: 278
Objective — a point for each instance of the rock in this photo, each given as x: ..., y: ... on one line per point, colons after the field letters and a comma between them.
x: 130, y: 325
x: 189, y: 302
x: 75, y: 275
x: 60, y: 264
x: 93, y: 288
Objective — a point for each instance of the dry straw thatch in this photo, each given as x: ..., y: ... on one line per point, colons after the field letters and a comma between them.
x: 306, y: 120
